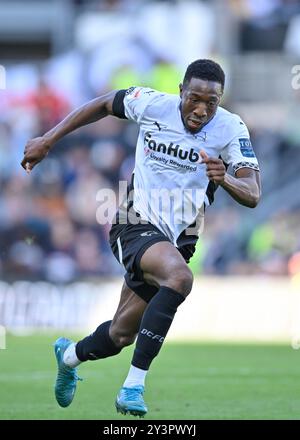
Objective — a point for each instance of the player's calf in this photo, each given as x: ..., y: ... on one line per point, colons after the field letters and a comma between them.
x: 98, y: 345
x: 120, y: 337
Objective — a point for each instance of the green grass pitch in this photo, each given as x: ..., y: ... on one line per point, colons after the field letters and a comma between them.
x: 187, y: 381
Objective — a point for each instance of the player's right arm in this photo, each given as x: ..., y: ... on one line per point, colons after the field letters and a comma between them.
x: 36, y: 149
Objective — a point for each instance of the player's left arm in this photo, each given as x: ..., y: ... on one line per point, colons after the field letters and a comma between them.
x: 244, y: 187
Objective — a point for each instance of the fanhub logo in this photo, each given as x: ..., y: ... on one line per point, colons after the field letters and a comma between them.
x: 171, y: 149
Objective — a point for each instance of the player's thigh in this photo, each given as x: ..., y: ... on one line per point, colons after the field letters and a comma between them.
x: 128, y: 316
x: 162, y: 264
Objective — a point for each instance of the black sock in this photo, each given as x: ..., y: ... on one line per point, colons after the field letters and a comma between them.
x: 155, y: 324
x: 98, y: 345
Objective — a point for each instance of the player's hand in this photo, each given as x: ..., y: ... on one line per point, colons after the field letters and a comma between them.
x: 215, y: 168
x: 35, y: 151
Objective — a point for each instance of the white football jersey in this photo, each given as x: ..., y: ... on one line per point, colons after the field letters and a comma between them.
x: 170, y: 181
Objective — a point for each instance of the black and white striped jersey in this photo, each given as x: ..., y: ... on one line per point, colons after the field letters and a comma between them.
x: 170, y: 182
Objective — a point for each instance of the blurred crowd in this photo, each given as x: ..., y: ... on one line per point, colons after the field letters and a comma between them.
x: 268, y: 25
x: 48, y: 227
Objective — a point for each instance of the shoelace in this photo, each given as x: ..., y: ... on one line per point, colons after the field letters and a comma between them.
x: 70, y: 373
x: 133, y: 393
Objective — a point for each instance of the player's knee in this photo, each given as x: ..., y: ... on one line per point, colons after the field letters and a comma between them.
x: 181, y: 279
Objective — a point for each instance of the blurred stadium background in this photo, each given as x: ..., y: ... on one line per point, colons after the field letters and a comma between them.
x: 57, y: 270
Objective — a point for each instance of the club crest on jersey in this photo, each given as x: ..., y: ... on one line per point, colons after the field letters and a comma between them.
x: 202, y: 135
x: 246, y: 147
x: 171, y: 149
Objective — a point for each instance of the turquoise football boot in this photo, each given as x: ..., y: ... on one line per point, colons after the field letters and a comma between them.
x: 130, y: 400
x: 66, y: 381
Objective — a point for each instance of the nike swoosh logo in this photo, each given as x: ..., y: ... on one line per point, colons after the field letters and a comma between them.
x: 93, y: 355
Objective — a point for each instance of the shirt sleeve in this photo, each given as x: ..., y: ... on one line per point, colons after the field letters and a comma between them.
x: 239, y: 152
x: 136, y: 101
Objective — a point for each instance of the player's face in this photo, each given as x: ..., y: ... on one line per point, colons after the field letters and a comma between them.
x: 199, y: 102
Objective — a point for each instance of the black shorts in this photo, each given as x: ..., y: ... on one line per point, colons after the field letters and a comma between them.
x: 129, y: 242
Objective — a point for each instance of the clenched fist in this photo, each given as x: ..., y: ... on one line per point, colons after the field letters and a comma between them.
x: 215, y: 168
x: 35, y: 151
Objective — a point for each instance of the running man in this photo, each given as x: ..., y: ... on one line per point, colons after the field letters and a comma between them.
x: 185, y: 144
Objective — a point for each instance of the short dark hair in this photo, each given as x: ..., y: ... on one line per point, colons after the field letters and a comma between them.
x: 205, y: 69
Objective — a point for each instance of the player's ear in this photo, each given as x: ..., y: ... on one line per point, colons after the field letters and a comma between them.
x: 180, y: 90
x: 220, y: 98
x: 221, y: 93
